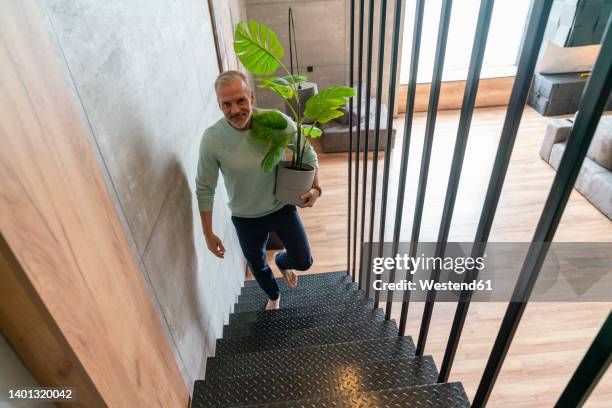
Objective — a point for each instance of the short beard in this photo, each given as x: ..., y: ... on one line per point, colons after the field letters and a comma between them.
x: 244, y: 124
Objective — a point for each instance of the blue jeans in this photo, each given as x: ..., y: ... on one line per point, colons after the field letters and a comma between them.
x: 253, y: 236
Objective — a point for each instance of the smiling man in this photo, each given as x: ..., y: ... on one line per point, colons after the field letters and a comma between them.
x: 226, y: 146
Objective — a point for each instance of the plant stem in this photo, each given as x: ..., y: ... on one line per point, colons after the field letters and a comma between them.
x: 306, y: 136
x: 298, y: 119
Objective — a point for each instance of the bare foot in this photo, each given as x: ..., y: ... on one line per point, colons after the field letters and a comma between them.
x: 288, y: 274
x: 273, y: 304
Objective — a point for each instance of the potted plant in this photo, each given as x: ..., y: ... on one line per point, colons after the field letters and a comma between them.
x: 261, y: 53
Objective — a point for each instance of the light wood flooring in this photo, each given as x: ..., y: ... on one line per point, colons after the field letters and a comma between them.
x: 552, y: 337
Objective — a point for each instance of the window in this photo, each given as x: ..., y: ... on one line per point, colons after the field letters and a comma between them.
x: 503, y: 44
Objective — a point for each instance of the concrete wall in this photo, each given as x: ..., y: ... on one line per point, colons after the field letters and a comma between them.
x: 227, y: 14
x: 14, y: 374
x: 323, y: 39
x: 142, y: 71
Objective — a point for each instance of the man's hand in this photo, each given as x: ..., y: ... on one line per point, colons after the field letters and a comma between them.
x: 213, y: 242
x: 310, y: 197
x: 215, y: 245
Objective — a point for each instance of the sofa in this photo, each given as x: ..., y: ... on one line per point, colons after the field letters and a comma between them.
x: 336, y: 132
x: 594, y: 181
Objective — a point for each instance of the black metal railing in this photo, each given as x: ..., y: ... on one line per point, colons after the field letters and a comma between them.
x: 358, y: 141
x: 350, y: 270
x: 525, y: 70
x: 594, y: 99
x: 368, y: 93
x: 379, y: 85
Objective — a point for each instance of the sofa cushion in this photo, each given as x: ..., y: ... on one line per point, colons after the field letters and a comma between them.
x: 600, y: 150
x: 587, y: 172
x: 600, y: 193
x: 557, y: 130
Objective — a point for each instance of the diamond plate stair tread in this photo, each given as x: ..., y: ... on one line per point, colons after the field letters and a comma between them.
x: 260, y: 295
x: 299, y: 311
x: 326, y: 355
x: 317, y: 383
x: 302, y: 297
x: 299, y: 323
x: 312, y: 278
x: 302, y: 301
x: 307, y: 337
x: 302, y: 283
x: 447, y: 395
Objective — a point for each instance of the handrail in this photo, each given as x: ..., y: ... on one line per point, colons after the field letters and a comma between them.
x: 595, y: 96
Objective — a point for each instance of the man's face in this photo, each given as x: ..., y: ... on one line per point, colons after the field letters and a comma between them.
x: 236, y: 102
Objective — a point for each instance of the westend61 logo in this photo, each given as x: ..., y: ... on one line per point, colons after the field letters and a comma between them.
x: 458, y: 264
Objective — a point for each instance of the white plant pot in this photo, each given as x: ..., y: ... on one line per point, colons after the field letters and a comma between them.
x: 290, y: 183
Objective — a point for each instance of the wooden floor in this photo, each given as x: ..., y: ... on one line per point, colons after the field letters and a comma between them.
x: 552, y: 337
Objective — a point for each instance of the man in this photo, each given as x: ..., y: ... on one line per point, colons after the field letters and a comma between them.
x: 226, y: 146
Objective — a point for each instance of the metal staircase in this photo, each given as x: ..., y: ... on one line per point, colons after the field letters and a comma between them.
x: 326, y: 347
x: 330, y: 345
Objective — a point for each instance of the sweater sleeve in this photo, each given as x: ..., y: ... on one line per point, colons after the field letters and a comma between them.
x: 207, y: 175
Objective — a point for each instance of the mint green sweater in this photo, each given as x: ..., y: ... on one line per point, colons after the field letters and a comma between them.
x: 238, y: 156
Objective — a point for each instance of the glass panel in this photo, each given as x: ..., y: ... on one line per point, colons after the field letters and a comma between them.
x: 505, y: 36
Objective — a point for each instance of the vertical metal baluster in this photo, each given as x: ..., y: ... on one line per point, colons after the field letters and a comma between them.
x: 379, y: 84
x: 368, y: 92
x: 350, y: 146
x: 432, y: 112
x: 467, y: 109
x: 408, y: 116
x: 385, y: 189
x: 592, y: 367
x: 591, y: 106
x: 526, y: 65
x: 358, y: 141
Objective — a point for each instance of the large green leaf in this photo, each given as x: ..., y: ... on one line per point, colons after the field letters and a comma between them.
x: 294, y: 78
x: 283, y: 86
x: 275, y: 84
x: 311, y: 131
x: 326, y: 105
x: 273, y: 156
x: 257, y: 48
x: 270, y: 128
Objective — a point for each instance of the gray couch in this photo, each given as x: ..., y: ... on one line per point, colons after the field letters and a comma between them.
x: 594, y: 181
x: 336, y: 133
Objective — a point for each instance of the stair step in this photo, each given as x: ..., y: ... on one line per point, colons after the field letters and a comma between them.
x: 309, y: 279
x: 300, y: 323
x: 303, y: 301
x: 299, y: 311
x: 316, y: 382
x: 302, y: 283
x: 307, y: 337
x: 326, y: 355
x: 307, y: 291
x: 446, y: 395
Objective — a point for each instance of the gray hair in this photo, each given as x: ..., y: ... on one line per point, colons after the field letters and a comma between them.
x: 229, y: 76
